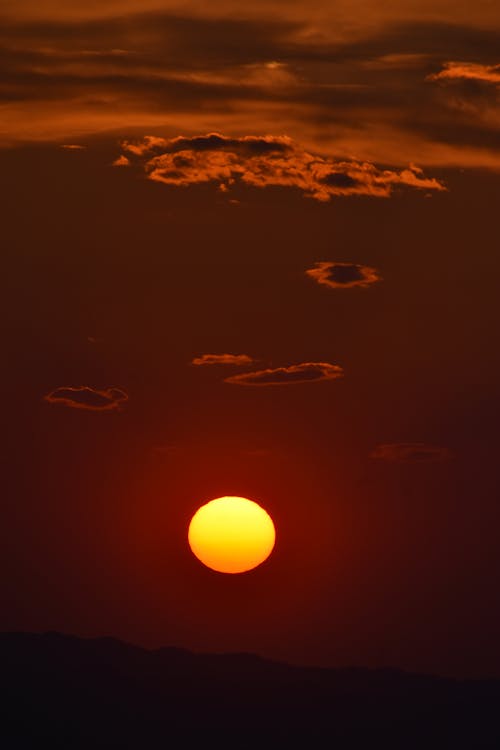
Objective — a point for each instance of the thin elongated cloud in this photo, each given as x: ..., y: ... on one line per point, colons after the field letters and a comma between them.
x: 88, y: 398
x: 266, y: 161
x: 223, y: 359
x: 411, y: 453
x: 467, y: 71
x: 343, y: 275
x: 305, y: 372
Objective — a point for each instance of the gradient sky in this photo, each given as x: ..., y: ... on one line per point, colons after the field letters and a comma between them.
x: 253, y: 251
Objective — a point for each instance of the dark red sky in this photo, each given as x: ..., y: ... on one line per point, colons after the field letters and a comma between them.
x: 360, y: 137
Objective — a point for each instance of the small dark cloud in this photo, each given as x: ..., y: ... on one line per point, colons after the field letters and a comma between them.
x: 411, y: 453
x: 223, y: 359
x: 340, y: 180
x: 343, y: 275
x: 85, y: 397
x: 305, y: 372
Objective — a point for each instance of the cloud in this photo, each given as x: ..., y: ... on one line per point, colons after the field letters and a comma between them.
x: 223, y: 359
x: 305, y: 372
x: 467, y: 71
x: 343, y: 275
x: 265, y: 161
x: 411, y: 453
x: 72, y: 147
x: 121, y: 161
x: 347, y: 79
x: 248, y: 145
x: 85, y: 397
x: 319, y: 14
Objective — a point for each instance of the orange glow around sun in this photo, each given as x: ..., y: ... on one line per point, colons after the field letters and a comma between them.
x: 231, y: 534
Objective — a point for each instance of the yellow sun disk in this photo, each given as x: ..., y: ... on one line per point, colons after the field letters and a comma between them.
x: 231, y: 534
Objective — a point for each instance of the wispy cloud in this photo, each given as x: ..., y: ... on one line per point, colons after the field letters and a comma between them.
x: 345, y: 78
x: 305, y: 372
x: 223, y: 359
x: 320, y: 14
x: 72, y: 147
x: 86, y: 397
x: 411, y: 453
x: 343, y: 275
x: 467, y: 71
x: 267, y: 161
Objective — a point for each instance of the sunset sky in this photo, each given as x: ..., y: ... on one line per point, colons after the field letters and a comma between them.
x: 252, y: 249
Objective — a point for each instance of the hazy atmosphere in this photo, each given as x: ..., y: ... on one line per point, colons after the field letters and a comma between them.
x: 250, y: 249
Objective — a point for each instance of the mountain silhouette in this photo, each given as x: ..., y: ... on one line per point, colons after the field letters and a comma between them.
x: 60, y: 691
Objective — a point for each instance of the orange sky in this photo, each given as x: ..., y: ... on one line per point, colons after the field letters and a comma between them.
x: 336, y: 78
x: 252, y: 251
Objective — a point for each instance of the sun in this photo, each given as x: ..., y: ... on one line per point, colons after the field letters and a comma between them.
x: 231, y: 534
